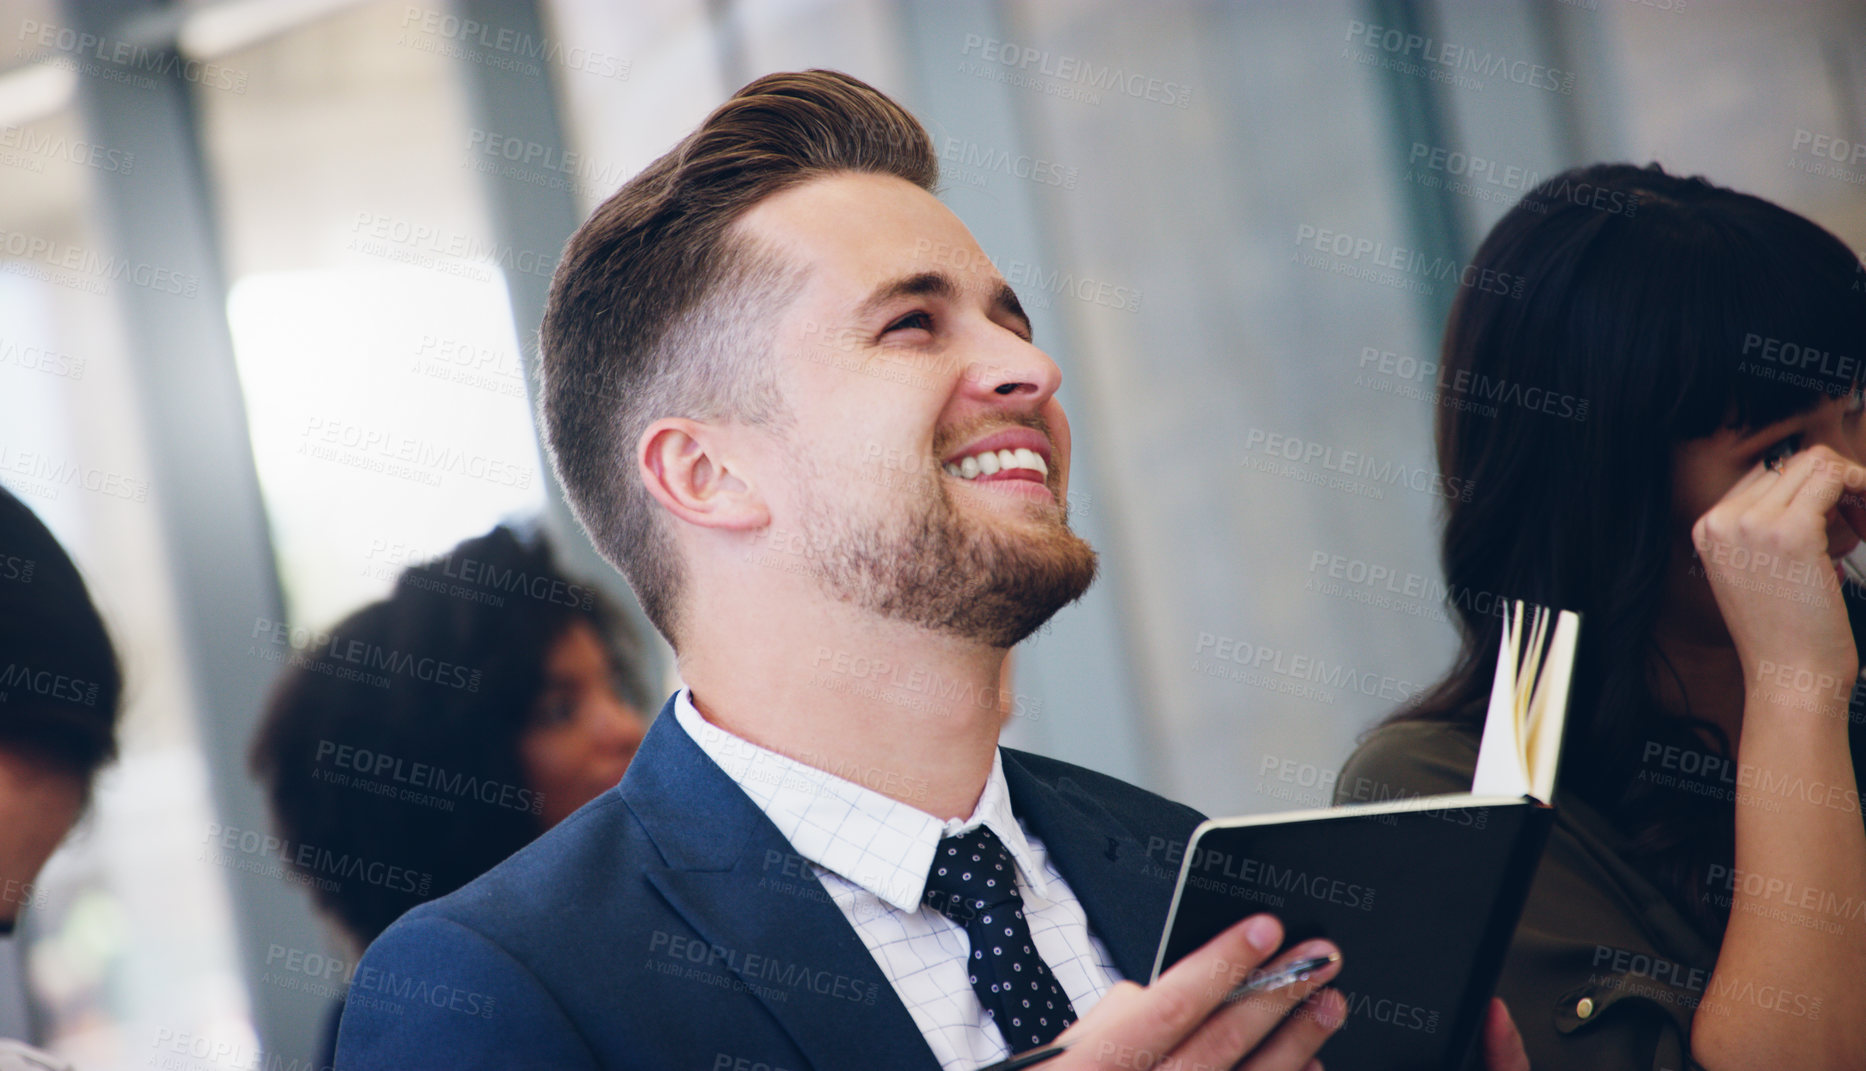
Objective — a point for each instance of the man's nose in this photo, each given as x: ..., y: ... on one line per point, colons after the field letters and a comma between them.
x: 1018, y: 370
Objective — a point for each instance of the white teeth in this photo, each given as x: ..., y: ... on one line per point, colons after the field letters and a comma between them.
x: 992, y: 462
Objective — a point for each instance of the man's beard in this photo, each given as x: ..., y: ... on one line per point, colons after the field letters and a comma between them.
x: 951, y: 574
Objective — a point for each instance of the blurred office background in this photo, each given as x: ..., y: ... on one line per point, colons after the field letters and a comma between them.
x: 270, y: 272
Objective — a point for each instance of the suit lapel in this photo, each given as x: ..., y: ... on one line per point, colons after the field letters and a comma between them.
x: 1123, y: 892
x: 764, y: 914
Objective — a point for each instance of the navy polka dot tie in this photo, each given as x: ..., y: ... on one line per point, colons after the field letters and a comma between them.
x: 974, y: 883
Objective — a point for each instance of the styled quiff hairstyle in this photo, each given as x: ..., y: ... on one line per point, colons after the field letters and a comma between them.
x: 657, y: 306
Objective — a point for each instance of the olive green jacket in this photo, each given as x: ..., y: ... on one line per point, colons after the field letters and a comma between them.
x: 1604, y: 973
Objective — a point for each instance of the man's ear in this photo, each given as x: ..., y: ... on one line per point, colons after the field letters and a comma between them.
x: 685, y: 466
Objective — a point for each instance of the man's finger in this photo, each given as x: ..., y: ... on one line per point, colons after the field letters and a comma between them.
x: 1238, y: 1029
x: 1159, y: 1018
x: 1295, y: 1043
x: 1503, y: 1046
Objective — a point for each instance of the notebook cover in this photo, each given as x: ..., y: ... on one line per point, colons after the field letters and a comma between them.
x: 1422, y: 903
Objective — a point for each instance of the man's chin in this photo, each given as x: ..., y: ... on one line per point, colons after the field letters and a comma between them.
x: 977, y: 571
x: 1021, y: 583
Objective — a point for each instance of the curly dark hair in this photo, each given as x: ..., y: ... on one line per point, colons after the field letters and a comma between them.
x: 390, y: 747
x: 60, y: 682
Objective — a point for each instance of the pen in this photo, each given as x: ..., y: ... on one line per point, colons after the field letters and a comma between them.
x: 1026, y: 1059
x: 1263, y: 982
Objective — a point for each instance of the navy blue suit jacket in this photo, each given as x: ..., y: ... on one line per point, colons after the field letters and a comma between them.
x: 668, y: 924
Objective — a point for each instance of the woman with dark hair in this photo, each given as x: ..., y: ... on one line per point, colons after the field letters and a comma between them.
x: 60, y: 692
x: 1691, y: 494
x: 430, y: 735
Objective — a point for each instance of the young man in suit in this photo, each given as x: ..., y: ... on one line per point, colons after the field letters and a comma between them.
x: 795, y: 404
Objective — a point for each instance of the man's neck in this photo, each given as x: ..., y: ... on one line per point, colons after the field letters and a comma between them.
x: 911, y: 714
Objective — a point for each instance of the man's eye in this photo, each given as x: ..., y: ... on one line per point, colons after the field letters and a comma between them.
x: 1856, y: 401
x: 912, y: 319
x: 1782, y: 450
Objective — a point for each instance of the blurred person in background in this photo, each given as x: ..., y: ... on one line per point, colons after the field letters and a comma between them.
x: 509, y: 696
x: 60, y: 690
x: 1685, y: 476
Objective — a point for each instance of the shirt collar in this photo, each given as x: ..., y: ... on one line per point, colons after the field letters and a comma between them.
x: 881, y: 844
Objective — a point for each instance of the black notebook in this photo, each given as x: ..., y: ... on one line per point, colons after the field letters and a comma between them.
x: 1422, y: 895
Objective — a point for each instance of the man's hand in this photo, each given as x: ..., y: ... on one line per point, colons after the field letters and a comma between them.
x: 1182, y: 1023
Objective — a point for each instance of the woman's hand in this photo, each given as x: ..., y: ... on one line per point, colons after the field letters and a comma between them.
x: 1764, y: 547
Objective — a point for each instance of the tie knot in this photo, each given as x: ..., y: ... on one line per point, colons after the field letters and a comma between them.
x: 970, y: 872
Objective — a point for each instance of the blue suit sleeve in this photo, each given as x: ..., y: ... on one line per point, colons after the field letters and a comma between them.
x: 432, y: 993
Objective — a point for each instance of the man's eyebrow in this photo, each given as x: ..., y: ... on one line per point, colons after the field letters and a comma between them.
x: 919, y: 284
x: 940, y: 285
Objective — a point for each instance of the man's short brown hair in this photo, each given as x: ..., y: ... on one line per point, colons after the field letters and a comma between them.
x: 656, y: 306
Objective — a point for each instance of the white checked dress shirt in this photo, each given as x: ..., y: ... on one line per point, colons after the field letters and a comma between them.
x: 872, y: 855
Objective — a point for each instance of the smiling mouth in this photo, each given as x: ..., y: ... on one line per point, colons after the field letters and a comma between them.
x: 1005, y: 464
